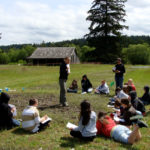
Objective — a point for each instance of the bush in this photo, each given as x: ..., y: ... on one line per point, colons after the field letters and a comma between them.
x: 137, y: 54
x: 13, y: 56
x: 4, y: 58
x: 22, y: 62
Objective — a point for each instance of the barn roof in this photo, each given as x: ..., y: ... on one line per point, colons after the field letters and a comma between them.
x: 52, y: 52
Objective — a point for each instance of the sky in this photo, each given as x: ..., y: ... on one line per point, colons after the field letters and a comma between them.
x: 35, y: 21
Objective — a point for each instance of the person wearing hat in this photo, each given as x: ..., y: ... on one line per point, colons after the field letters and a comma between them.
x: 119, y: 70
x: 6, y: 113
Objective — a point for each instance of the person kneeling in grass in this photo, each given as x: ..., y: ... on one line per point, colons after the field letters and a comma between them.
x: 86, y: 129
x: 31, y: 120
x: 107, y: 127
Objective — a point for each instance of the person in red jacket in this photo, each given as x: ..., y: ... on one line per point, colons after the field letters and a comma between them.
x: 107, y: 127
x: 130, y: 83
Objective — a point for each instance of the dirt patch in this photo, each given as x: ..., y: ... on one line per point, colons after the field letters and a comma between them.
x: 46, y: 101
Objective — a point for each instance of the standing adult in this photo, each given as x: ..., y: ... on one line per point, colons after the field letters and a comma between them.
x: 62, y: 80
x: 119, y: 70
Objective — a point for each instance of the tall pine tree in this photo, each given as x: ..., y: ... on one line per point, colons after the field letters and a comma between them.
x: 106, y: 17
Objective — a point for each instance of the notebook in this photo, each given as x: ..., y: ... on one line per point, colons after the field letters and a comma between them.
x: 71, y: 126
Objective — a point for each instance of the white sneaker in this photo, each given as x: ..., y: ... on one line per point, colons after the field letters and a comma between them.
x: 83, y: 92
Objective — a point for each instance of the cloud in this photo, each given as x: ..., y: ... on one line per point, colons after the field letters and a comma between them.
x: 138, y: 17
x: 34, y: 22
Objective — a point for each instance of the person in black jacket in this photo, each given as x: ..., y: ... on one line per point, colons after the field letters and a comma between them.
x: 62, y: 81
x: 86, y: 84
x: 6, y: 113
x: 119, y: 70
x: 128, y: 111
x: 146, y: 96
x: 137, y: 103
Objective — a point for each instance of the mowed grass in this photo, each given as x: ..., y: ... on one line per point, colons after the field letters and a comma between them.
x: 42, y: 82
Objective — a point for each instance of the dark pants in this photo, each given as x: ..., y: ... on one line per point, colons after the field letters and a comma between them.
x: 16, y: 122
x: 77, y: 134
x: 43, y: 125
x: 72, y: 90
x: 62, y: 83
x: 119, y: 81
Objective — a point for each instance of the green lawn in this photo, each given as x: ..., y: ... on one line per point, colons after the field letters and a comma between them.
x: 42, y: 82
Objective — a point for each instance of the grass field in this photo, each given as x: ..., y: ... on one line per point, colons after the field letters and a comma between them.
x: 42, y: 82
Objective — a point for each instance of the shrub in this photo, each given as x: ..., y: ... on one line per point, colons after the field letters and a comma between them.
x: 137, y: 54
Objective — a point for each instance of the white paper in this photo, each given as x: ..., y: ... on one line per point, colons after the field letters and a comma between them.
x: 48, y: 119
x: 15, y: 111
x: 110, y: 106
x: 71, y: 126
x: 117, y: 110
x: 118, y: 119
x: 114, y: 68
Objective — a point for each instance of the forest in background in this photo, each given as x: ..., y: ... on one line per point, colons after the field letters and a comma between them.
x: 135, y: 50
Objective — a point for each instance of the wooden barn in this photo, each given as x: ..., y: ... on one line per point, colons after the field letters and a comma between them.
x: 53, y: 55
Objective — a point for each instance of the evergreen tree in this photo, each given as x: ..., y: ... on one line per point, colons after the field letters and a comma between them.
x: 105, y: 28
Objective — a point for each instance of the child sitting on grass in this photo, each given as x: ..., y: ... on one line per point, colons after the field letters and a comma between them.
x: 146, y: 96
x: 73, y: 88
x: 86, y: 129
x: 7, y: 121
x: 130, y: 83
x: 86, y: 85
x: 31, y: 120
x: 103, y: 88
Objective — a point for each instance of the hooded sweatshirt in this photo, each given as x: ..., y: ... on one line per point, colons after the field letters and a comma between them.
x: 5, y: 112
x: 136, y: 103
x: 146, y: 96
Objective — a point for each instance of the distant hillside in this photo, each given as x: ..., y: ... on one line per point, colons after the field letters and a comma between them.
x: 125, y: 41
x: 79, y: 42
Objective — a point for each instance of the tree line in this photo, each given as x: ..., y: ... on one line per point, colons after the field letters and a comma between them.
x: 135, y: 50
x: 104, y: 42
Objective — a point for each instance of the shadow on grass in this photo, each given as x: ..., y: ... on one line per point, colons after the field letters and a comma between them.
x: 71, y: 142
x: 20, y: 131
x: 48, y: 107
x: 126, y: 146
x: 129, y: 147
x: 148, y: 113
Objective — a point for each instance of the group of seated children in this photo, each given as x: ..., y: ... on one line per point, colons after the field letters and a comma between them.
x: 89, y: 126
x: 31, y: 120
x: 87, y: 86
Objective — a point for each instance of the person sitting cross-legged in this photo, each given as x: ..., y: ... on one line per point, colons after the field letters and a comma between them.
x: 120, y: 94
x: 136, y: 102
x: 31, y: 120
x: 7, y: 121
x: 86, y: 85
x: 73, y: 87
x: 130, y: 83
x: 103, y: 88
x: 146, y: 96
x: 86, y: 129
x: 107, y: 127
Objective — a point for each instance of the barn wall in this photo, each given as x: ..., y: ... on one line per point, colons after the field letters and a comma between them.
x: 48, y: 62
x: 74, y: 58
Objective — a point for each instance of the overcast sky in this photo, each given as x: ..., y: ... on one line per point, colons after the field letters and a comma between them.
x: 34, y: 21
